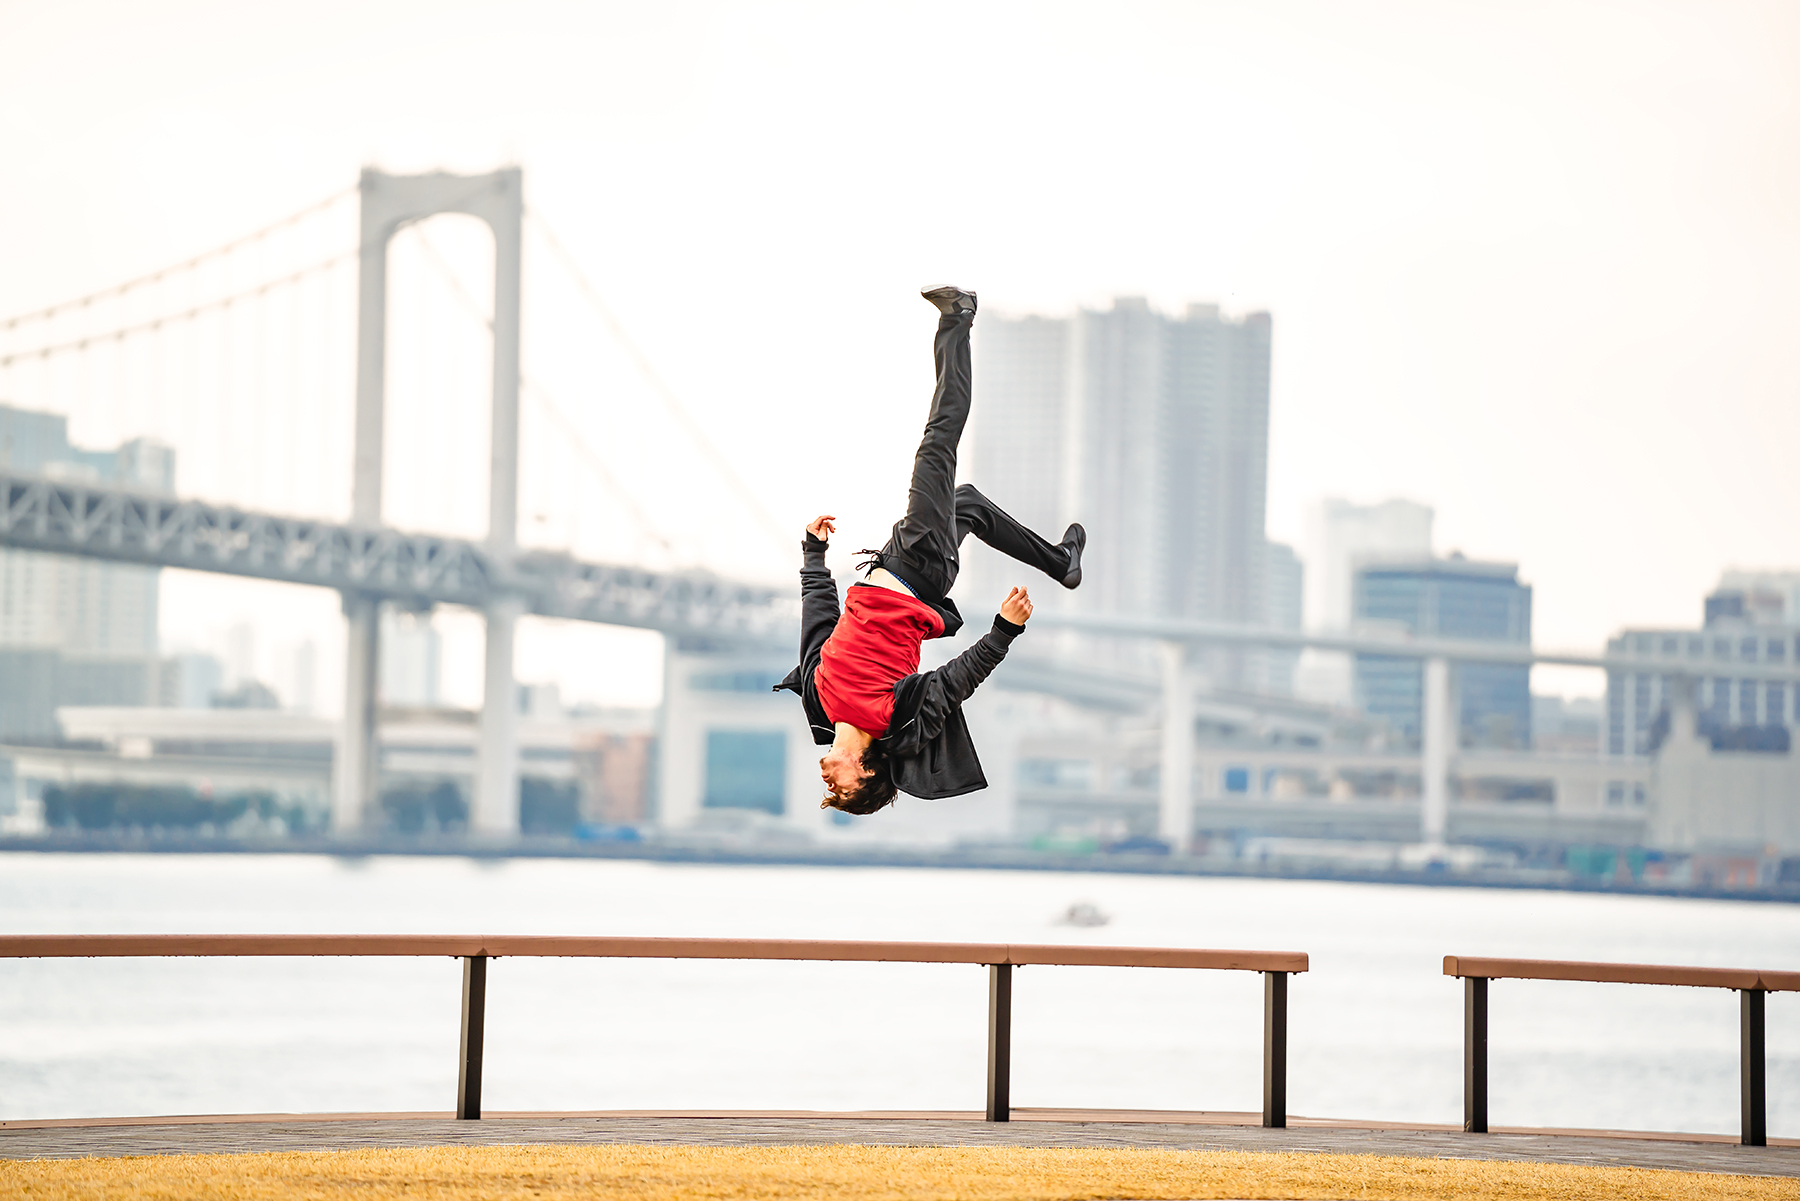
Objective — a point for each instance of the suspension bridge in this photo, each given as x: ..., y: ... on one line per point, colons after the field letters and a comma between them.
x: 132, y: 364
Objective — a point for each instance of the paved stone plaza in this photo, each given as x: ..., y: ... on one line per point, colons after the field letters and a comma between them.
x: 1032, y: 1128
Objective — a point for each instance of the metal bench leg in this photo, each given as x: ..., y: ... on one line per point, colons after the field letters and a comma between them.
x: 474, y: 1016
x: 1275, y: 1006
x: 999, y: 1082
x: 1754, y: 1067
x: 1475, y: 1056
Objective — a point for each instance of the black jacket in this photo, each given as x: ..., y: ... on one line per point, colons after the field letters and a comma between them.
x: 928, y: 742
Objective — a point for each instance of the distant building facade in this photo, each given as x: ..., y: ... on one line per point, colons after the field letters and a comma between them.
x: 412, y: 654
x: 1453, y: 598
x: 75, y: 631
x: 1746, y: 620
x: 1286, y: 587
x: 1341, y: 536
x: 1150, y: 429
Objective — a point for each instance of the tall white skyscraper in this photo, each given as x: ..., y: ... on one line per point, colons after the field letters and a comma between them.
x: 1152, y: 430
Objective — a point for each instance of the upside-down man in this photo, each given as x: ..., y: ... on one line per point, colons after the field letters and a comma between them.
x: 891, y: 727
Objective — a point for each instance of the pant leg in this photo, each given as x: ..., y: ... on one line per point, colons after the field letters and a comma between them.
x: 976, y: 514
x: 922, y: 550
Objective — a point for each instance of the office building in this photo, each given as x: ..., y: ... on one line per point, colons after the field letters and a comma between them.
x: 1342, y: 536
x: 1150, y: 429
x: 75, y: 631
x: 1747, y: 619
x: 1454, y: 598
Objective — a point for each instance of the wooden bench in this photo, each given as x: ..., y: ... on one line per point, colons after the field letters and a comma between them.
x: 1752, y: 986
x: 476, y: 950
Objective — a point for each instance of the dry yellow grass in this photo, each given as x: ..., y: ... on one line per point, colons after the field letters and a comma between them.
x: 854, y: 1173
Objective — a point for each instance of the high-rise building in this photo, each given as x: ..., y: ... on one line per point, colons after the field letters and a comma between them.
x: 75, y: 631
x: 1150, y: 429
x: 1454, y: 598
x: 1747, y: 620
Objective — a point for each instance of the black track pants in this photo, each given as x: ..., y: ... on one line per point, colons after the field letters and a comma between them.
x: 923, y: 550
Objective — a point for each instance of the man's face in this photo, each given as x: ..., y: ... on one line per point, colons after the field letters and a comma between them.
x: 841, y: 771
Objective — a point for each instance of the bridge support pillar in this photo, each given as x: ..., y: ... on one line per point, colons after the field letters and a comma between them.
x: 355, y: 768
x: 496, y: 807
x: 389, y: 202
x: 1434, y: 767
x: 1176, y: 813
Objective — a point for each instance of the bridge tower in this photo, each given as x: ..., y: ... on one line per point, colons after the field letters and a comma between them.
x: 388, y: 203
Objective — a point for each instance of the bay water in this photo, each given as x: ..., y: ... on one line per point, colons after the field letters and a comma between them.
x: 1375, y: 1026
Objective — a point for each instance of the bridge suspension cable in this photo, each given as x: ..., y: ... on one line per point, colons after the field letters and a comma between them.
x: 542, y: 396
x: 119, y: 290
x: 151, y: 325
x: 229, y: 357
x: 752, y: 502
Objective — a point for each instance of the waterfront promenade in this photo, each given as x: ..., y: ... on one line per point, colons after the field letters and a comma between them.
x: 1187, y: 1131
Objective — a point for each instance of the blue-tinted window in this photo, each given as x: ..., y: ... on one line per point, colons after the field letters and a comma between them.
x: 1775, y: 705
x: 1056, y: 773
x: 1747, y: 649
x: 1451, y: 602
x: 735, y: 681
x: 1237, y: 779
x: 746, y: 769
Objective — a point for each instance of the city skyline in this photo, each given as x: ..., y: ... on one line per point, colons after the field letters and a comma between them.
x: 1454, y: 328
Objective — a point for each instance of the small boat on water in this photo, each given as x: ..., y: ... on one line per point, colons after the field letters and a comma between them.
x: 1083, y: 913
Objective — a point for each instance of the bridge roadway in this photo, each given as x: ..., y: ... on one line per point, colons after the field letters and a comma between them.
x: 71, y: 517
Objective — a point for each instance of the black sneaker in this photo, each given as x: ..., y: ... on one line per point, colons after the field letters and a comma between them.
x: 950, y: 299
x: 1075, y: 540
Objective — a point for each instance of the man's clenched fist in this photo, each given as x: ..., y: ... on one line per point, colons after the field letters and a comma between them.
x: 1016, y: 608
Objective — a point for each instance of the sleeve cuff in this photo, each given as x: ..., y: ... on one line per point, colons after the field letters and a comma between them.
x: 1003, y: 626
x: 811, y: 543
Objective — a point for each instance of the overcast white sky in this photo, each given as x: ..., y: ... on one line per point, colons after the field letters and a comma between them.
x: 1537, y: 265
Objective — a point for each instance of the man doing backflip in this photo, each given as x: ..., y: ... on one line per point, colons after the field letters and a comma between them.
x: 891, y: 727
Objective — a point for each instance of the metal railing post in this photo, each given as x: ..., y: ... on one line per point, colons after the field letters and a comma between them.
x: 999, y: 1063
x: 1475, y: 1054
x: 474, y: 1017
x: 1275, y: 1008
x: 1754, y: 1069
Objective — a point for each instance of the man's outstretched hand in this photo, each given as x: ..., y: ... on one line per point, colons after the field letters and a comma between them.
x: 823, y: 527
x: 1016, y: 608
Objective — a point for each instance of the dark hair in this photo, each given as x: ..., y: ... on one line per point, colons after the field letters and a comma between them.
x: 876, y: 791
